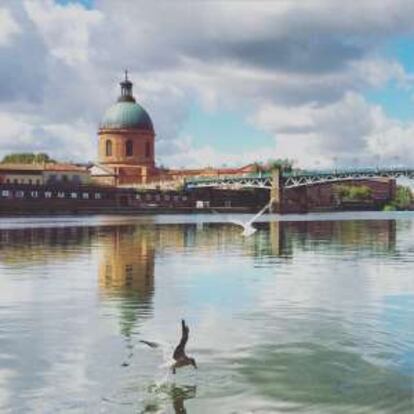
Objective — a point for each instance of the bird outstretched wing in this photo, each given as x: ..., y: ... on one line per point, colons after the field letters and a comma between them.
x: 257, y: 215
x: 151, y: 344
x: 179, y: 351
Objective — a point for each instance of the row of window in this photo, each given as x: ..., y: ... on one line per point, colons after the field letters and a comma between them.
x: 49, y: 194
x: 23, y: 181
x: 85, y: 195
x: 51, y: 179
x: 129, y: 148
x: 64, y: 178
x: 159, y: 197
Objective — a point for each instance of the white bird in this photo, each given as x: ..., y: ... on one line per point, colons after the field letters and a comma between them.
x: 248, y: 228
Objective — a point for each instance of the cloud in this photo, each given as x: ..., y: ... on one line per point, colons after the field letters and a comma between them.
x: 299, y: 69
x: 8, y: 27
x: 180, y: 152
x: 64, y: 29
x: 32, y: 134
x: 349, y: 132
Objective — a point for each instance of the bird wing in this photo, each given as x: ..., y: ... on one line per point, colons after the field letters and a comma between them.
x: 258, y: 214
x: 151, y: 344
x: 179, y: 351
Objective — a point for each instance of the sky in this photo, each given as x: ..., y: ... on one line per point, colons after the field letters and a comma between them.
x: 226, y: 83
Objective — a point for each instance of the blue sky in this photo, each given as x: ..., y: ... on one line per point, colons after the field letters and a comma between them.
x: 397, y: 99
x: 223, y: 129
x: 216, y: 127
x: 86, y: 3
x: 319, y: 82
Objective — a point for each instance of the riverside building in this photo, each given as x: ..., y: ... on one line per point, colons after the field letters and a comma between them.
x: 126, y: 148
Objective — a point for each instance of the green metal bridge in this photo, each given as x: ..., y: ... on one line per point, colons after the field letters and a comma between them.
x: 298, y: 178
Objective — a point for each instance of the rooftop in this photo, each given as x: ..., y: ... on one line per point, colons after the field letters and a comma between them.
x: 43, y: 167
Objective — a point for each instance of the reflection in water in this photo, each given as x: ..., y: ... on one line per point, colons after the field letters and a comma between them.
x: 26, y: 247
x: 311, y: 316
x: 317, y: 374
x: 179, y: 395
x: 126, y: 273
x: 176, y: 394
x: 286, y: 236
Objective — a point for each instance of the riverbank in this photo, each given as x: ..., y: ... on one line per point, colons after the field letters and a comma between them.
x: 122, y: 211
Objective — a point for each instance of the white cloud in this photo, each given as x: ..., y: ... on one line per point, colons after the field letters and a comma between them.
x: 377, y: 71
x: 299, y: 68
x: 8, y: 27
x: 64, y: 29
x: 21, y: 133
x: 181, y: 152
x: 349, y: 132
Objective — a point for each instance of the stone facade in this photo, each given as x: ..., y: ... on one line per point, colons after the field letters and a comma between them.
x: 126, y: 147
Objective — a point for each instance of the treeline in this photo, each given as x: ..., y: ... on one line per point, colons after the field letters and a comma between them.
x: 403, y: 199
x: 353, y: 192
x: 280, y: 163
x: 27, y: 158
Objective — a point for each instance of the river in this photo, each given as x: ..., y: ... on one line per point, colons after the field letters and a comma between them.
x: 311, y: 314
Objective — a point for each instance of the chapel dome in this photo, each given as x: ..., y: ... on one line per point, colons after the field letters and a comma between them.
x: 126, y: 113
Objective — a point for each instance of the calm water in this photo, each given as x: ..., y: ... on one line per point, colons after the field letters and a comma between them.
x: 307, y: 316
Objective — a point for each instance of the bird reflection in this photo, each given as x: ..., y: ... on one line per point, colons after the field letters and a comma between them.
x: 179, y: 395
x: 174, y: 393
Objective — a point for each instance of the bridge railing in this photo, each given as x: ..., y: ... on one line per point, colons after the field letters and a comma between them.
x: 227, y: 177
x: 296, y: 174
x: 337, y: 171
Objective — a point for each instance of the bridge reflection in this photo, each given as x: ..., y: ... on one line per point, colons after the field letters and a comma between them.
x: 286, y: 237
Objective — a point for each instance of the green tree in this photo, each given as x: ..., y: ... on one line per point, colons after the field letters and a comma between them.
x: 283, y: 163
x: 403, y: 198
x: 27, y: 158
x: 354, y: 192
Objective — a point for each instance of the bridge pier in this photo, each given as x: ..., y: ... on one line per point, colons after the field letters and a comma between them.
x: 276, y: 192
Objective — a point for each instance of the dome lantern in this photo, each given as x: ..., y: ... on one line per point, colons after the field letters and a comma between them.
x: 126, y: 90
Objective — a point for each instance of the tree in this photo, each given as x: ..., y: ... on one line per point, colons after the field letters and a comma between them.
x: 354, y: 192
x: 27, y: 158
x: 283, y: 163
x: 403, y: 198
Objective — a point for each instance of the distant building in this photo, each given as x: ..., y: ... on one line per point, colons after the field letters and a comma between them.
x: 126, y: 142
x: 126, y: 149
x: 40, y: 174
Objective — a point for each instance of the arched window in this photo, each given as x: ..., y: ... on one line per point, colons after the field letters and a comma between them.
x: 147, y: 150
x: 129, y: 148
x: 108, y: 148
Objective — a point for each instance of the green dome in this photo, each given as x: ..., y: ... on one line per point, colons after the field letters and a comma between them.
x: 125, y: 115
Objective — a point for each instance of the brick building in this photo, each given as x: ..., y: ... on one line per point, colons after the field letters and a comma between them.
x: 41, y: 174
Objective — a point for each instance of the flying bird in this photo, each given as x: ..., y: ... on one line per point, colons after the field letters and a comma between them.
x: 248, y: 228
x: 179, y: 355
